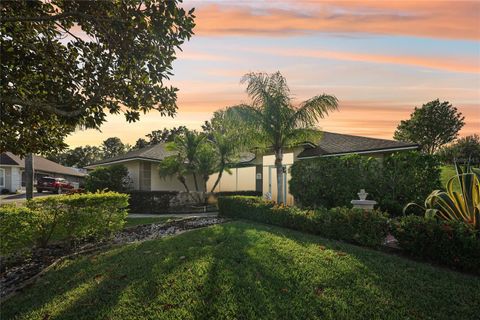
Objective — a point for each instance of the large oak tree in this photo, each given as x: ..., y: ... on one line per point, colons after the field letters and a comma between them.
x: 66, y: 64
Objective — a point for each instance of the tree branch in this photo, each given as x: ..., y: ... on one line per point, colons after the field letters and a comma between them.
x: 46, y: 106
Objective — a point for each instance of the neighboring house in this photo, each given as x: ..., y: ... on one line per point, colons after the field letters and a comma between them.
x: 12, y: 171
x: 261, y: 174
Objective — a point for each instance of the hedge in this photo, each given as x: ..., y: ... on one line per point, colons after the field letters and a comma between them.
x: 151, y: 201
x: 367, y: 228
x: 251, y: 193
x: 451, y: 243
x: 70, y: 217
x: 393, y: 182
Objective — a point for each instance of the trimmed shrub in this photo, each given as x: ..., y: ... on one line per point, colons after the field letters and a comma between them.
x: 69, y: 217
x: 112, y: 178
x: 78, y: 215
x: 367, y: 228
x: 398, y: 179
x: 451, y: 243
x: 151, y: 201
x: 16, y: 229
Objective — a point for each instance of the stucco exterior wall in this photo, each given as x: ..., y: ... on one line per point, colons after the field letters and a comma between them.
x: 7, y: 178
x: 13, y: 178
x: 171, y: 183
x: 134, y: 173
x: 240, y: 179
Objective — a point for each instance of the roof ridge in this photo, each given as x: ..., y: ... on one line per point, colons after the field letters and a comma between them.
x: 362, y: 137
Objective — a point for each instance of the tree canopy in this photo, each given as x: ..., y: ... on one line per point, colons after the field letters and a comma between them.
x: 431, y: 126
x: 464, y: 150
x: 113, y: 147
x: 69, y: 63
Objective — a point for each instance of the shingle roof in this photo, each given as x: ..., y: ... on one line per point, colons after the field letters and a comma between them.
x: 154, y: 153
x: 337, y: 144
x: 39, y: 164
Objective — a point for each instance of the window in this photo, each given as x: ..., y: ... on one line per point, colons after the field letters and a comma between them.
x: 2, y: 177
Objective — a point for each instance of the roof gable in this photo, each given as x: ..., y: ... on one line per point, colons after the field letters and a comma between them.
x: 156, y: 152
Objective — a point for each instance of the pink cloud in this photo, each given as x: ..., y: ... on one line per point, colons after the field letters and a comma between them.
x: 437, y: 19
x: 447, y: 64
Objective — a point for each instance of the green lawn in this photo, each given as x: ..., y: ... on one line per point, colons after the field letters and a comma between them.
x: 131, y: 222
x: 244, y: 270
x: 447, y: 172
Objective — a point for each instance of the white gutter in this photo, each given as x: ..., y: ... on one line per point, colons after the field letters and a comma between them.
x: 120, y: 161
x: 361, y: 152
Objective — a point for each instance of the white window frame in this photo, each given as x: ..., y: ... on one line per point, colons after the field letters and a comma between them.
x: 2, y: 174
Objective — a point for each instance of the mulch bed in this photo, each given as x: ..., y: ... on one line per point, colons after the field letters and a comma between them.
x: 17, y: 273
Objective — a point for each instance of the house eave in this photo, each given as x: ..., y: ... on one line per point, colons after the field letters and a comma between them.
x: 121, y: 161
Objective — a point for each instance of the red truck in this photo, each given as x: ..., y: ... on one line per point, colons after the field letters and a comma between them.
x: 55, y: 185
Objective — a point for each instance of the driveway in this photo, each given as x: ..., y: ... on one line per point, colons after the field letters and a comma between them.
x: 21, y: 197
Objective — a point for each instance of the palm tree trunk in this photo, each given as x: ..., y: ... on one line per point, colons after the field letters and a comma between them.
x: 182, y: 180
x: 279, y: 166
x: 29, y: 174
x: 195, y: 180
x: 220, y: 173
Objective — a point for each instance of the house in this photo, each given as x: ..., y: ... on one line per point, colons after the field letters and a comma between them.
x: 252, y: 172
x: 12, y: 171
x: 260, y: 174
x: 142, y: 165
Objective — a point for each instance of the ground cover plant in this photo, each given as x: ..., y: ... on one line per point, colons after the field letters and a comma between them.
x: 248, y: 271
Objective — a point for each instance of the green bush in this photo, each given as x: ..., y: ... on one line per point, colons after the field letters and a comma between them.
x: 367, y: 228
x: 451, y: 243
x: 16, y: 229
x: 393, y: 182
x: 69, y: 217
x: 112, y: 178
x: 332, y: 181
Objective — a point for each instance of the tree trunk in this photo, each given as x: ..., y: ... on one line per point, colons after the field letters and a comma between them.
x: 279, y: 167
x: 29, y: 174
x: 182, y: 180
x: 220, y: 173
x: 195, y: 180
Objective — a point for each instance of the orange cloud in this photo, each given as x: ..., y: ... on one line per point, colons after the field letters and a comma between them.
x: 437, y: 19
x: 447, y: 64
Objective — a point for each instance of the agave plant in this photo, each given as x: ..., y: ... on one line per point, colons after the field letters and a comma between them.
x: 453, y: 205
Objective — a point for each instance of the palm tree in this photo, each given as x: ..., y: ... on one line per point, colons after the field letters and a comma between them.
x: 187, y: 147
x: 174, y: 166
x: 275, y: 123
x: 226, y: 139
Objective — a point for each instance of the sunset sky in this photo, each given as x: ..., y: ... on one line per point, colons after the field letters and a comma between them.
x: 379, y: 58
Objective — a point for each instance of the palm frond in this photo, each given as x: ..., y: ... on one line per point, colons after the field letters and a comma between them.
x: 314, y: 109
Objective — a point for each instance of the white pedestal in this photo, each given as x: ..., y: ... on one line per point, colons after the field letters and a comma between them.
x: 363, y: 204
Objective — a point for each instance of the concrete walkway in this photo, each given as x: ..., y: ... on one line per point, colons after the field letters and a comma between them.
x: 173, y: 215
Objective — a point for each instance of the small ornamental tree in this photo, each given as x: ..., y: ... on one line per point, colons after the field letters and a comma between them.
x: 111, y: 178
x: 431, y: 126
